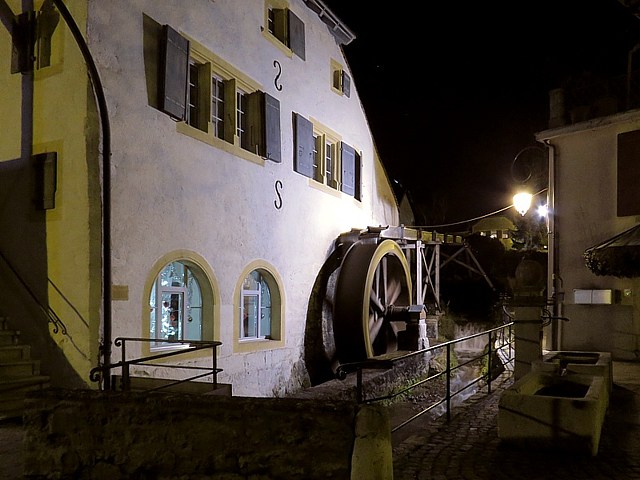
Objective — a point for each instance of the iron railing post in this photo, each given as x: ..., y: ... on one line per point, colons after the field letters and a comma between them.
x: 448, y: 381
x: 126, y: 380
x: 489, y: 369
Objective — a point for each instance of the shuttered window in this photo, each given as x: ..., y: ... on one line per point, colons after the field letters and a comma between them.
x: 340, y: 80
x: 287, y: 28
x: 262, y: 135
x: 222, y: 102
x: 320, y: 155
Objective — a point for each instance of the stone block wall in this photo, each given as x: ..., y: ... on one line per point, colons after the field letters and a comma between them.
x: 84, y: 434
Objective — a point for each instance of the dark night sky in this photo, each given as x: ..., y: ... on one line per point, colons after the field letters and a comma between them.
x: 453, y: 90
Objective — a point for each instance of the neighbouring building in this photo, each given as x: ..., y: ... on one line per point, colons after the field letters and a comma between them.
x: 594, y: 165
x: 234, y: 149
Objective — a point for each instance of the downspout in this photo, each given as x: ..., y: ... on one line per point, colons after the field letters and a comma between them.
x: 106, y: 187
x: 553, y: 280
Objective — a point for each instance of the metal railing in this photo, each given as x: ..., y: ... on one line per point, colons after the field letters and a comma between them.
x: 183, y: 347
x: 500, y: 344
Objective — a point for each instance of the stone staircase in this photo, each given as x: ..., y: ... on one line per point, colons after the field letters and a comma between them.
x: 19, y: 373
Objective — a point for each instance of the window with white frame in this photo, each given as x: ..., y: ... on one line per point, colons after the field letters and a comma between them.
x: 322, y: 156
x: 256, y: 314
x: 175, y: 305
x: 217, y: 106
x: 207, y: 93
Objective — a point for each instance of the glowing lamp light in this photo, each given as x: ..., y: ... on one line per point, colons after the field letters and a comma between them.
x: 543, y: 211
x: 522, y: 202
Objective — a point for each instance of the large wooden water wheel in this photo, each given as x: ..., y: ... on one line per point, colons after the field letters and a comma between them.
x: 373, y: 293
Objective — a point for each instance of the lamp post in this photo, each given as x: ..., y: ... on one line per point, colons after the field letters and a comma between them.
x: 529, y: 170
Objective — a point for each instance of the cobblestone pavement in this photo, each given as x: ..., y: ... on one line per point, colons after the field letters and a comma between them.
x: 468, y: 447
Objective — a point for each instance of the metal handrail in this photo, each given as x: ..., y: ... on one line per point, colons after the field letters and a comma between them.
x: 102, y: 371
x: 497, y: 334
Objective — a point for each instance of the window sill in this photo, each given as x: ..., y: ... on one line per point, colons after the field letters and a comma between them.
x: 209, y: 139
x: 277, y: 43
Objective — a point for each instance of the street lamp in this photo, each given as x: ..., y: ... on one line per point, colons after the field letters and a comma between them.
x: 522, y: 202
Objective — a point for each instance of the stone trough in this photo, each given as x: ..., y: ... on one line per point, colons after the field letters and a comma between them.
x: 553, y: 410
x: 588, y: 363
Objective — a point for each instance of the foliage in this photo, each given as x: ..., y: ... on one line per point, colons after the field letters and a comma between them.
x: 619, y: 262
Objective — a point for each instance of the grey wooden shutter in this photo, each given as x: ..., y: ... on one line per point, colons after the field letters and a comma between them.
x: 174, y: 73
x: 303, y: 156
x: 272, y: 129
x: 263, y: 126
x: 358, y: 177
x: 346, y: 84
x: 296, y: 35
x: 348, y: 158
x: 628, y: 173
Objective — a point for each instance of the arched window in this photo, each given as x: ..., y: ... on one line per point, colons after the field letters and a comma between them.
x: 255, y: 306
x: 176, y: 304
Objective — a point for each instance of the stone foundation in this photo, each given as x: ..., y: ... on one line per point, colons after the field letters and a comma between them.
x: 84, y: 434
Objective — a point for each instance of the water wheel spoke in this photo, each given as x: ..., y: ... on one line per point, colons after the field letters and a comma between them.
x: 375, y: 304
x: 394, y: 289
x: 375, y: 325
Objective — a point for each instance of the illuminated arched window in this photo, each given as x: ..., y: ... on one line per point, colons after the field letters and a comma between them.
x: 176, y: 304
x: 256, y: 305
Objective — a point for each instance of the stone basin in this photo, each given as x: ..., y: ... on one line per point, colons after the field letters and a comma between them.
x: 551, y: 410
x: 588, y: 363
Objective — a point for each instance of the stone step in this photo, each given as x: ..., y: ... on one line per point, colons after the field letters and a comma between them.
x: 202, y: 388
x: 18, y: 368
x: 16, y: 384
x: 9, y: 337
x: 13, y: 391
x: 12, y: 353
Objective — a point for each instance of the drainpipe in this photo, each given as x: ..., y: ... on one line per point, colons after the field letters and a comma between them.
x: 106, y: 187
x: 553, y: 280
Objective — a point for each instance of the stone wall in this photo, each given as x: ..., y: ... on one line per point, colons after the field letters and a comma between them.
x: 83, y: 434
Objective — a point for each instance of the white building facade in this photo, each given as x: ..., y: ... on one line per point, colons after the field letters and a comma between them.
x: 239, y: 152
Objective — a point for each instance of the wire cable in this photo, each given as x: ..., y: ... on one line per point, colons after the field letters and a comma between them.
x: 472, y: 219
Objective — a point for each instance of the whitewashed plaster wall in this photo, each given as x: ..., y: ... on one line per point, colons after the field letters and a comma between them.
x: 585, y: 214
x: 172, y: 192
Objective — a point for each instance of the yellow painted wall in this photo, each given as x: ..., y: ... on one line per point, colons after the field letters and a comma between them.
x: 63, y: 103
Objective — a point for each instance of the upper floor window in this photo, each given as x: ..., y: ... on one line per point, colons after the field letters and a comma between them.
x: 322, y: 156
x: 214, y: 98
x: 284, y: 26
x: 340, y: 80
